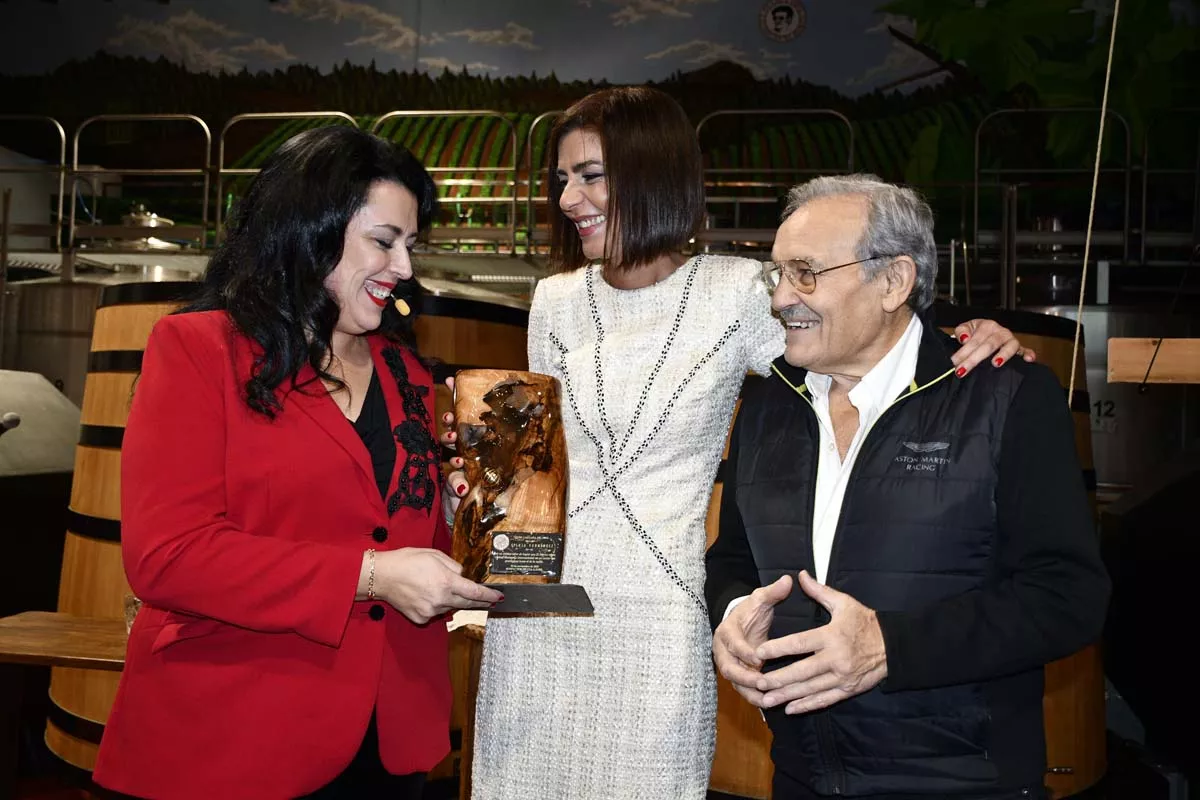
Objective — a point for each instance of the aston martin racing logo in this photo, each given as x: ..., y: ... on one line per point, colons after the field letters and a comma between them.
x: 926, y: 447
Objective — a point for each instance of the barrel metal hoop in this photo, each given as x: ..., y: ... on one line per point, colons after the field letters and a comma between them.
x: 108, y: 530
x: 1089, y: 480
x: 442, y: 370
x: 73, y: 724
x: 721, y: 470
x: 109, y: 436
x: 444, y: 306
x: 149, y: 292
x: 1027, y: 322
x: 74, y: 776
x: 115, y: 361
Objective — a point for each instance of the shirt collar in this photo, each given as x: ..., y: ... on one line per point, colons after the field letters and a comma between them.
x: 884, y: 382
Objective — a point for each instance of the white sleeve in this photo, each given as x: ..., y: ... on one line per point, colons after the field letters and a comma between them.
x: 764, y: 333
x: 732, y: 605
x: 537, y: 338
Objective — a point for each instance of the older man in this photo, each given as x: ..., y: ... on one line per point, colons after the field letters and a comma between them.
x: 939, y: 528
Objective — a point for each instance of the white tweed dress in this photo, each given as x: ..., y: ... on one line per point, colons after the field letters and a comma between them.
x: 622, y: 705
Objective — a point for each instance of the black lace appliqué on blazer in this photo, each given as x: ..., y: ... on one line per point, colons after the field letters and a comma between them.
x: 415, y: 486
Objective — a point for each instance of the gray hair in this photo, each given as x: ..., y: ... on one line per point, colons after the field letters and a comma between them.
x: 899, y: 222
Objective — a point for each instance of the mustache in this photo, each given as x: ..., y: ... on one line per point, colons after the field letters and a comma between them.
x: 798, y: 313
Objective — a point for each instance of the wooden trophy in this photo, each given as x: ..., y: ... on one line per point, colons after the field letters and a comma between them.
x: 510, y: 528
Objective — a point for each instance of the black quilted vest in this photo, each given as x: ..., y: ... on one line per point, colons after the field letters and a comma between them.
x: 917, y: 526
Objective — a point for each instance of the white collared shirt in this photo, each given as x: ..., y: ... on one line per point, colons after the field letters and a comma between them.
x: 877, y: 390
x: 882, y: 384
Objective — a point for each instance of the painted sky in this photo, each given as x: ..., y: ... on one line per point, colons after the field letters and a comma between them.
x: 844, y: 46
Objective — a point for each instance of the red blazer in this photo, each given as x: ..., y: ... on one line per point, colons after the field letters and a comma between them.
x: 251, y: 672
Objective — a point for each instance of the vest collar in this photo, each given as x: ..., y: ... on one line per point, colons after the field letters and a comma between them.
x: 933, y: 360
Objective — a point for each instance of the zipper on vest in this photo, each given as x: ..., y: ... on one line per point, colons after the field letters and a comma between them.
x: 824, y: 727
x: 802, y: 390
x: 820, y: 615
x: 829, y: 754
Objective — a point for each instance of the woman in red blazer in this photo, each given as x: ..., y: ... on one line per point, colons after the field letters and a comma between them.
x: 281, y: 514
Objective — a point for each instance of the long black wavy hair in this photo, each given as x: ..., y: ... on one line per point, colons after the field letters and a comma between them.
x: 286, y: 236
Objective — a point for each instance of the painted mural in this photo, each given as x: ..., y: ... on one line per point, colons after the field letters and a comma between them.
x: 913, y: 79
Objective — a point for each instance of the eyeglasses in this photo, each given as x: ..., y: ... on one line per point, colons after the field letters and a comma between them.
x: 800, y: 274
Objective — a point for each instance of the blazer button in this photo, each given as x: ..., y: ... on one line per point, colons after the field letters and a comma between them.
x: 379, y: 534
x: 376, y: 612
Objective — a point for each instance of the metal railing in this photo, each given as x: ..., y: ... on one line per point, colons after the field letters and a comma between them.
x: 54, y: 230
x: 518, y: 181
x: 794, y: 112
x: 198, y: 233
x: 463, y: 233
x: 742, y: 178
x: 533, y: 236
x: 1009, y: 237
x: 223, y: 171
x: 1169, y: 238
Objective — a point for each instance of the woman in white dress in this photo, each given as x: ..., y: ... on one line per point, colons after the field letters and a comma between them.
x: 651, y: 349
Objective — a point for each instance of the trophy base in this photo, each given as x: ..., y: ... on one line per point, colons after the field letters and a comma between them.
x: 541, y: 600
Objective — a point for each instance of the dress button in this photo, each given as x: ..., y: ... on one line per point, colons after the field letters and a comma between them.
x: 379, y: 534
x: 376, y: 612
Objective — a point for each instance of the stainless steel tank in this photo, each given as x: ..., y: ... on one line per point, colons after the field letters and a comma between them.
x: 49, y: 330
x: 1132, y: 431
x: 48, y: 324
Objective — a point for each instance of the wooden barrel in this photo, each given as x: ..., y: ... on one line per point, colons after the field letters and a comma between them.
x: 466, y: 659
x: 462, y: 326
x: 465, y: 654
x: 1073, y: 702
x: 742, y: 760
x: 93, y: 579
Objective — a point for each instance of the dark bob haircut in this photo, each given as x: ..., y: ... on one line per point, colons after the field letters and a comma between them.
x: 286, y: 236
x: 653, y: 170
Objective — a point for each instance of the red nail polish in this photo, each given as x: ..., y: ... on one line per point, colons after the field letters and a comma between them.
x: 461, y: 489
x: 998, y: 361
x: 960, y: 371
x: 964, y: 337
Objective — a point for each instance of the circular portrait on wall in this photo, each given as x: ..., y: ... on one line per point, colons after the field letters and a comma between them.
x: 782, y: 20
